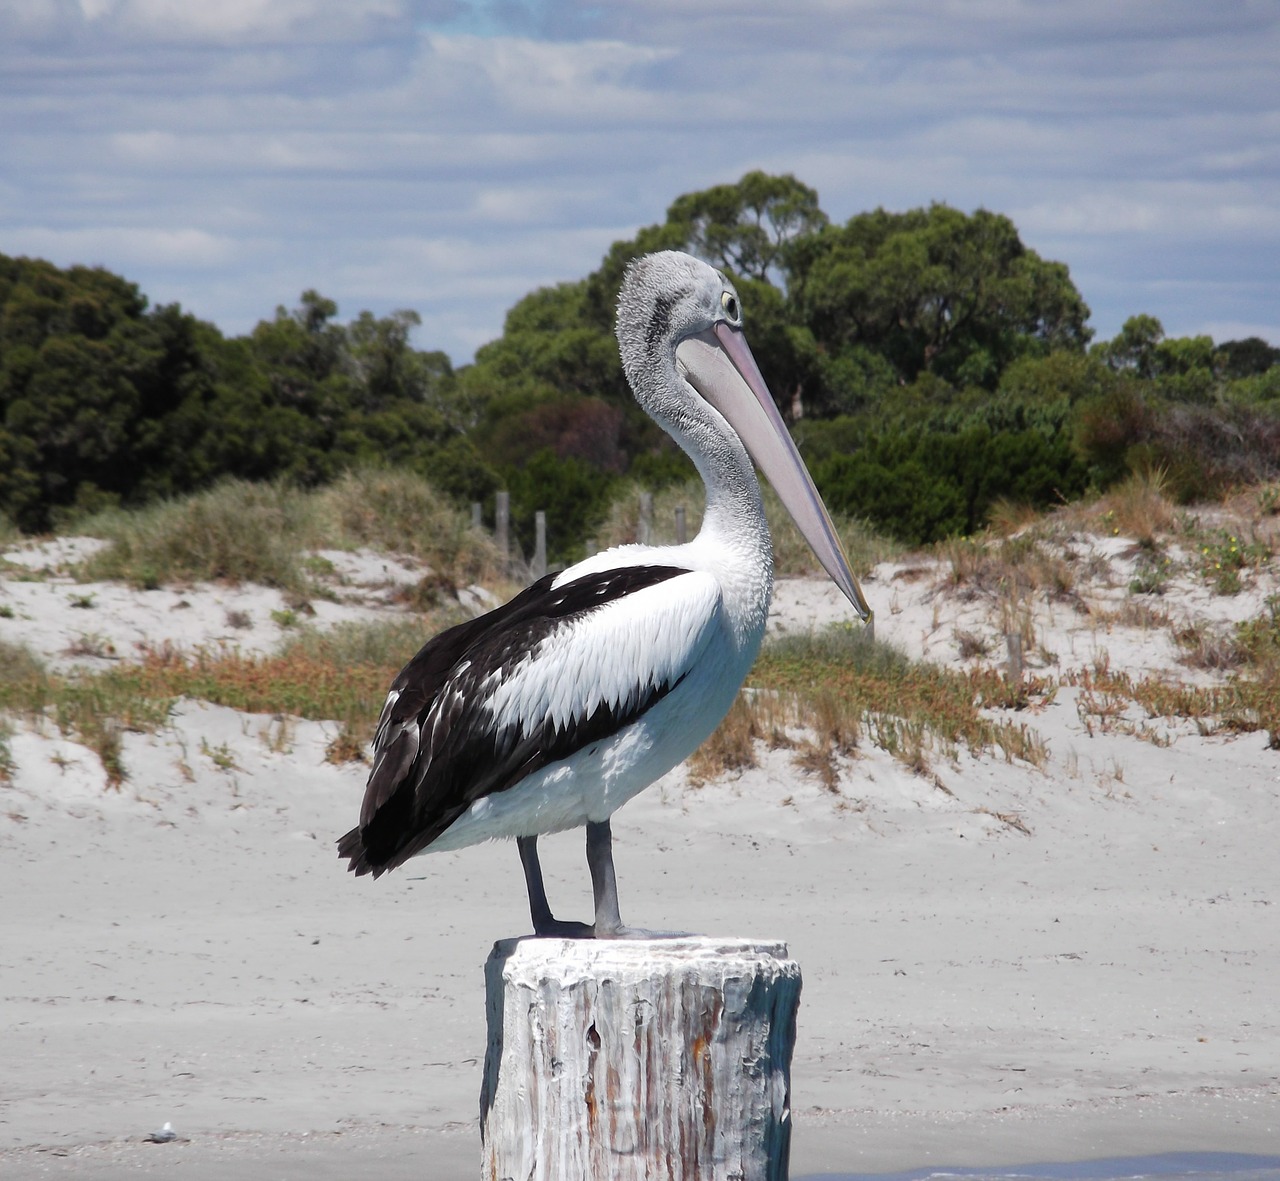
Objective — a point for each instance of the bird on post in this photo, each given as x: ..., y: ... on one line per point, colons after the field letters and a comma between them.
x: 552, y: 711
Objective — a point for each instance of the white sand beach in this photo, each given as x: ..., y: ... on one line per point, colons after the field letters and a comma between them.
x: 1002, y: 963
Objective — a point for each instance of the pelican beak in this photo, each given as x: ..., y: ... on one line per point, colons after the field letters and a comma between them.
x: 719, y: 365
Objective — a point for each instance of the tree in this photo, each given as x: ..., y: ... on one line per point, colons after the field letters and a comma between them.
x: 383, y: 364
x: 935, y: 290
x: 104, y: 400
x: 1133, y: 349
x: 87, y: 377
x: 1249, y: 357
x: 747, y: 228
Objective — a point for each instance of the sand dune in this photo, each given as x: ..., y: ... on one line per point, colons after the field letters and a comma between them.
x: 1001, y: 962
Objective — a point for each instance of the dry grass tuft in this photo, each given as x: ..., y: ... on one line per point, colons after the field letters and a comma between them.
x: 1207, y: 647
x: 1243, y: 705
x: 845, y: 689
x: 1007, y: 517
x: 10, y: 534
x: 7, y: 764
x: 971, y: 645
x: 1139, y: 507
x: 1137, y: 613
x: 1008, y: 819
x: 1016, y: 566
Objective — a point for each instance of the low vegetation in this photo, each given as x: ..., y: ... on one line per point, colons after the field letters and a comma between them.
x: 340, y: 675
x: 822, y: 697
x: 94, y: 710
x: 239, y: 531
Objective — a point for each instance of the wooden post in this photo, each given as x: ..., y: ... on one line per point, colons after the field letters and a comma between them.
x: 502, y: 526
x: 644, y: 530
x: 476, y: 514
x: 1013, y: 641
x: 539, y: 544
x: 682, y: 528
x: 638, y: 1058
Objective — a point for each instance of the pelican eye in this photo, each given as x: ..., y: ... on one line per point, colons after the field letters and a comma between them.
x: 729, y: 302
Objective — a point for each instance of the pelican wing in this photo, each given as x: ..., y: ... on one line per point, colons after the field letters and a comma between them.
x: 486, y: 703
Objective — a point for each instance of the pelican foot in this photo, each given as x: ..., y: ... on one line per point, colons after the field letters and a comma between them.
x: 620, y: 933
x: 563, y: 929
x: 560, y: 929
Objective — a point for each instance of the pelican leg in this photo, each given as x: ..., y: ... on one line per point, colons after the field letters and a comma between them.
x: 604, y: 883
x: 544, y: 922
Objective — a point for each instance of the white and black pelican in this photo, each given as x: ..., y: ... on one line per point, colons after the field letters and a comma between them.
x: 554, y: 710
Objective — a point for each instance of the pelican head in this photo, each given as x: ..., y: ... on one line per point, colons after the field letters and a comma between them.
x: 683, y: 348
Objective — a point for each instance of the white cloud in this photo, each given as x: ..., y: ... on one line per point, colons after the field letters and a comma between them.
x: 582, y: 81
x: 123, y: 246
x: 222, y: 22
x: 231, y: 154
x: 1177, y: 210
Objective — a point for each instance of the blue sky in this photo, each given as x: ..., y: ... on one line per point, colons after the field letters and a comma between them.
x: 449, y: 157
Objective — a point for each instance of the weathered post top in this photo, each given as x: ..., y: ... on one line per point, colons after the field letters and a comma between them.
x: 639, y: 1058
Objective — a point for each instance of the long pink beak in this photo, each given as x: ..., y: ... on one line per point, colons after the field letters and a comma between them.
x: 720, y: 367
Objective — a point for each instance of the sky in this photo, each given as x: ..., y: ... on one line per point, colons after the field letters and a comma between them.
x: 450, y: 157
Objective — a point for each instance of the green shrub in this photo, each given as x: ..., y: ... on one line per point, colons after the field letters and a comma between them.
x: 400, y: 512
x: 236, y: 531
x: 924, y: 487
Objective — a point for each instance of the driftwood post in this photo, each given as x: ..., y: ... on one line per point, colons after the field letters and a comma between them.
x: 641, y: 1058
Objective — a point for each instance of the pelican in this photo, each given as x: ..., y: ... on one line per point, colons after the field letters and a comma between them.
x: 552, y: 711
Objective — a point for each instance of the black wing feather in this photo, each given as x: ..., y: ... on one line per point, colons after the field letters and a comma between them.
x: 435, y: 753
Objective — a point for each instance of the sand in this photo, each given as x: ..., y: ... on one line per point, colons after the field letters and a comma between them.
x: 1001, y: 963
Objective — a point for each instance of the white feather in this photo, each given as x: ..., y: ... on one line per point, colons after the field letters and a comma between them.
x: 611, y: 655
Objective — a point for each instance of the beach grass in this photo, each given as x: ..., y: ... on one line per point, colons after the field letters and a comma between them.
x: 95, y: 710
x: 824, y: 694
x: 241, y: 532
x: 235, y: 532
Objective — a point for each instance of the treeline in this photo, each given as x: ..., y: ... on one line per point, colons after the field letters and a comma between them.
x: 929, y: 361
x: 107, y: 401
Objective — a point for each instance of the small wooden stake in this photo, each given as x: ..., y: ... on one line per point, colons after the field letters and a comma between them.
x: 1013, y: 641
x: 502, y: 526
x: 639, y: 1058
x: 539, y: 567
x: 644, y: 528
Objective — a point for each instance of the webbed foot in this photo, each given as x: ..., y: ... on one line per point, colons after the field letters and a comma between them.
x: 552, y: 928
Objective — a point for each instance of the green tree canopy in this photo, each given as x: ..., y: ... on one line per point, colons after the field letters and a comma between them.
x: 104, y: 400
x: 748, y: 227
x: 930, y: 360
x: 935, y: 290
